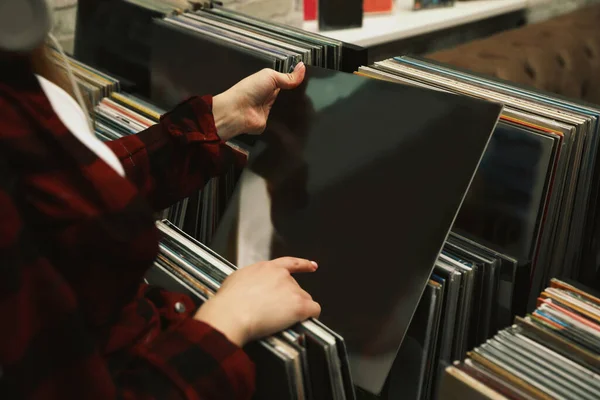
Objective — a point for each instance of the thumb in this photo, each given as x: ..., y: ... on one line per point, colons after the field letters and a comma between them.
x: 293, y: 80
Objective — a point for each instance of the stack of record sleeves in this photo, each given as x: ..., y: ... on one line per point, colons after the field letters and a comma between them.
x: 123, y: 114
x: 200, y: 214
x: 94, y: 84
x: 281, y: 45
x: 553, y: 353
x: 117, y: 114
x: 138, y: 39
x: 530, y: 214
x: 308, y: 361
x: 455, y: 314
x: 225, y: 47
x: 535, y: 195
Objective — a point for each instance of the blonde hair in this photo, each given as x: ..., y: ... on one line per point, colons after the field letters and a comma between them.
x: 44, y: 65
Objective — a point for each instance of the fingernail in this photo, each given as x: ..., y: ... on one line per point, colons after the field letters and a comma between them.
x: 314, y: 264
x: 298, y: 66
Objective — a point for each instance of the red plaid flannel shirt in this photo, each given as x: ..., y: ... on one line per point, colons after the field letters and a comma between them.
x: 75, y: 241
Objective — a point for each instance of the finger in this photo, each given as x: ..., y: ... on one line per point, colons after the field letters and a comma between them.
x: 290, y: 81
x: 295, y: 265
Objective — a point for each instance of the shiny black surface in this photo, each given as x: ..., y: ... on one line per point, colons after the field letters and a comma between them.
x: 408, y: 376
x: 366, y: 178
x: 506, y: 201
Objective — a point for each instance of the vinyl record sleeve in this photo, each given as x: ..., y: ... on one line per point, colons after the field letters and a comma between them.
x: 571, y: 302
x: 320, y: 359
x: 200, y: 289
x: 469, y: 287
x: 574, y: 366
x: 506, y: 201
x: 512, y: 364
x: 576, y: 288
x: 294, y: 340
x: 310, y: 191
x: 432, y: 345
x: 344, y: 364
x: 293, y: 365
x: 197, y: 251
x: 452, y: 283
x: 570, y: 325
x: 408, y: 377
x: 160, y: 276
x: 476, y: 295
x: 561, y: 366
x: 496, y: 382
x: 205, y: 276
x: 508, y: 279
x: 274, y: 378
x: 495, y: 366
x: 457, y: 385
x: 138, y: 106
x: 536, y: 372
x: 563, y: 346
x: 311, y: 328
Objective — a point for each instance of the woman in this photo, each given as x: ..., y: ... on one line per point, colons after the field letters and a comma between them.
x: 77, y: 235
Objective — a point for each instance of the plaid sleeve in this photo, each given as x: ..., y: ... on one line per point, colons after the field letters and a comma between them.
x: 187, y: 359
x: 203, y: 362
x: 176, y: 157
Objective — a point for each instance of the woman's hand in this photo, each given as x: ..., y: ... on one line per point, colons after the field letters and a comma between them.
x: 259, y: 300
x: 245, y: 107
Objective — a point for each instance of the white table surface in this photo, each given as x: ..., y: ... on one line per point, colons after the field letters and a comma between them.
x: 404, y: 23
